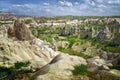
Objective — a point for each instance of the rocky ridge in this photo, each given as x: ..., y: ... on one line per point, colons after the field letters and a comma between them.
x: 20, y: 46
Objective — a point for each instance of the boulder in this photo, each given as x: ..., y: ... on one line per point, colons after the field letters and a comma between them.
x: 95, y: 63
x: 63, y: 44
x: 60, y: 69
x: 109, y: 75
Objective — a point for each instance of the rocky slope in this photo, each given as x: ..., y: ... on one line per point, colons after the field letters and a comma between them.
x: 23, y: 46
x: 34, y: 50
x: 18, y: 44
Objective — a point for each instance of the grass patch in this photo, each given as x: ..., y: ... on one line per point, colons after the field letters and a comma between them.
x: 80, y: 69
x: 72, y: 52
x: 114, y: 49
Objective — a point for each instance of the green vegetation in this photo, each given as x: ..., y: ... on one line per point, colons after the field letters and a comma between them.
x: 46, y: 33
x: 17, y: 69
x: 72, y: 52
x: 114, y: 49
x: 80, y: 69
x: 80, y: 38
x: 44, y: 19
x: 115, y: 67
x: 19, y: 65
x: 72, y: 41
x: 105, y: 45
x: 27, y: 21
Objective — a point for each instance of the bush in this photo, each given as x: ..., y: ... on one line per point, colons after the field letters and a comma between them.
x: 115, y: 67
x: 28, y: 21
x: 80, y: 69
x: 19, y: 65
x: 72, y: 41
x: 14, y: 70
x: 4, y: 72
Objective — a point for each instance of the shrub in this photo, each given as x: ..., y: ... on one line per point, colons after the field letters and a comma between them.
x: 115, y: 67
x: 114, y: 49
x: 71, y: 41
x: 4, y: 72
x: 48, y: 38
x: 80, y: 69
x: 14, y: 70
x: 19, y: 65
x: 27, y: 21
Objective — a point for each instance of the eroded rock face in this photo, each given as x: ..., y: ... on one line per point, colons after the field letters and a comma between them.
x: 3, y: 30
x: 64, y: 31
x: 86, y: 48
x: 62, y: 69
x: 101, y: 36
x: 11, y: 32
x: 116, y: 40
x: 113, y: 58
x: 109, y: 75
x: 38, y: 54
x: 110, y: 33
x: 63, y: 44
x: 95, y: 63
x: 20, y: 31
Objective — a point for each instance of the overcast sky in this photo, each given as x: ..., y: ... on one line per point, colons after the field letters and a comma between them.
x: 62, y: 7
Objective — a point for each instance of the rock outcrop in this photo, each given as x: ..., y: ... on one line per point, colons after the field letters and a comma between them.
x: 20, y: 31
x: 116, y: 40
x: 110, y: 33
x: 109, y: 75
x: 25, y: 48
x: 38, y: 52
x: 87, y: 48
x: 95, y: 64
x: 81, y: 31
x: 62, y: 69
x: 39, y: 55
x: 3, y: 30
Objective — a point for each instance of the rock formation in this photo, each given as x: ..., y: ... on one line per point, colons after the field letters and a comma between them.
x: 11, y: 32
x: 20, y: 31
x: 110, y: 33
x: 3, y: 31
x: 50, y: 64
x: 61, y: 70
x: 116, y: 40
x: 38, y: 52
x: 64, y: 31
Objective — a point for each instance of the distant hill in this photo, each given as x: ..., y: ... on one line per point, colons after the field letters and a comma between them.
x: 10, y: 15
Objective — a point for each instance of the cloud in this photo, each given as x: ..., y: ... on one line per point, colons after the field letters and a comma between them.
x: 114, y: 1
x: 65, y: 3
x: 46, y: 4
x: 77, y: 3
x: 93, y: 3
